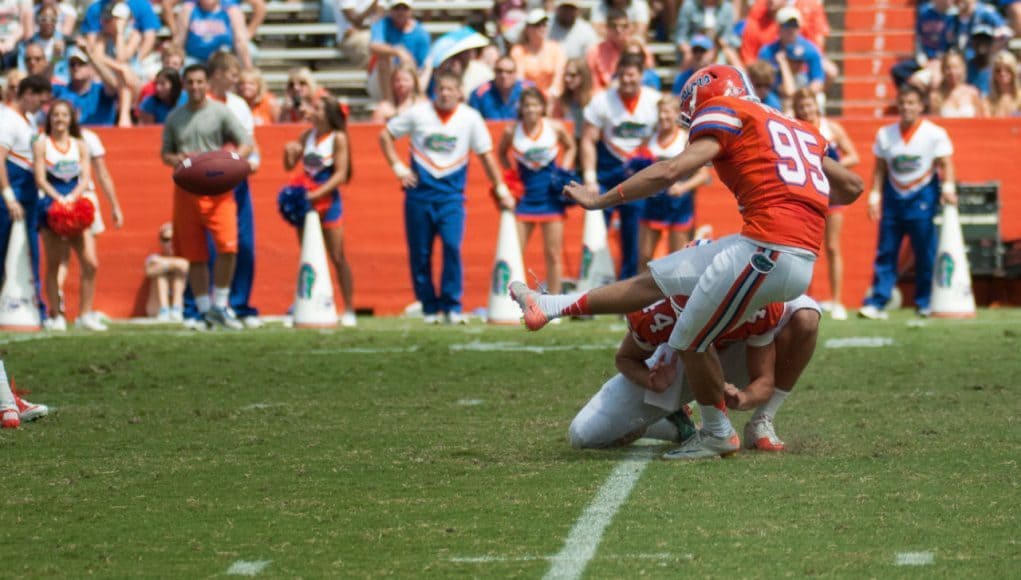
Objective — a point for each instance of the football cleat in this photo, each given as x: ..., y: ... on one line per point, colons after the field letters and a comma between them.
x: 27, y: 410
x: 704, y: 445
x: 348, y: 319
x: 872, y: 313
x: 760, y: 434
x: 838, y: 312
x: 456, y: 318
x: 535, y: 318
x: 10, y: 419
x: 90, y: 321
x: 56, y: 323
x: 224, y: 318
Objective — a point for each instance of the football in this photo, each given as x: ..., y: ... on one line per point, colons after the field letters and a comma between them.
x: 211, y: 173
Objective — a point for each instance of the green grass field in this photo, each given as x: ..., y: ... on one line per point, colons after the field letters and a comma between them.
x: 413, y: 452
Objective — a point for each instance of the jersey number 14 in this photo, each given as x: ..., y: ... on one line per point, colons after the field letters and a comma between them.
x: 797, y: 162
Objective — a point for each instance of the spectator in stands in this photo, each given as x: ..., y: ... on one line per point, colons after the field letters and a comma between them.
x: 169, y: 95
x: 354, y: 18
x: 395, y: 39
x: 614, y: 132
x: 955, y: 98
x: 62, y: 174
x: 637, y: 14
x: 806, y: 108
x: 934, y: 31
x: 324, y: 152
x: 649, y: 77
x: 1005, y: 89
x: 143, y: 19
x: 972, y: 14
x: 1012, y: 11
x: 914, y: 172
x: 203, y: 124
x: 168, y: 277
x: 762, y: 27
x: 498, y: 99
x: 479, y: 68
x: 47, y: 37
x: 602, y: 58
x: 538, y: 59
x: 509, y: 18
x: 171, y: 56
x: 205, y: 27
x: 702, y: 52
x: 762, y: 75
x: 531, y: 148
x: 98, y: 102
x: 16, y: 25
x: 301, y: 86
x: 67, y: 15
x: 574, y: 34
x: 119, y: 41
x: 434, y: 202
x: 35, y: 61
x: 802, y: 56
x: 713, y: 19
x: 406, y: 91
x: 252, y: 88
x: 980, y: 65
x: 570, y: 105
x: 11, y: 80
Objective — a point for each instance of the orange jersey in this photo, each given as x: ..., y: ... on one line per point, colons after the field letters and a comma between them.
x: 773, y: 165
x: 651, y: 326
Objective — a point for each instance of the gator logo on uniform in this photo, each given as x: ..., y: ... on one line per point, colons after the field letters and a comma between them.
x: 439, y: 143
x: 306, y: 280
x: 944, y: 269
x: 761, y: 263
x: 631, y: 130
x: 501, y: 278
x: 906, y: 163
x: 313, y: 161
x: 535, y: 155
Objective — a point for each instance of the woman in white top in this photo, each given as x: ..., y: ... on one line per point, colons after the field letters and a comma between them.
x: 1005, y: 89
x: 806, y: 108
x: 63, y: 173
x: 954, y: 97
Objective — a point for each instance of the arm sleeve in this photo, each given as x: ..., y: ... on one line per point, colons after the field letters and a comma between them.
x: 481, y: 142
x: 90, y: 24
x: 593, y: 112
x: 879, y: 147
x: 401, y: 124
x: 376, y: 32
x: 815, y: 71
x: 234, y: 130
x: 718, y: 121
x: 943, y: 147
x: 145, y: 17
x: 94, y: 144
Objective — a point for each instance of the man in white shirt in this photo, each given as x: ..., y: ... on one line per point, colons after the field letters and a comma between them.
x: 353, y: 20
x: 573, y: 32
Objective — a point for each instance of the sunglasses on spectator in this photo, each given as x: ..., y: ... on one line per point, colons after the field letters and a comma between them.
x: 506, y: 71
x: 46, y: 20
x: 76, y: 63
x: 34, y: 58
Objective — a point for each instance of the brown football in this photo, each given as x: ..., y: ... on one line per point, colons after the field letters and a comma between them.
x: 211, y: 173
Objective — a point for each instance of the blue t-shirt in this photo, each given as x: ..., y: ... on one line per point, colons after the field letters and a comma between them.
x: 143, y: 16
x: 208, y: 32
x: 679, y: 80
x: 934, y: 30
x: 486, y: 100
x: 802, y: 50
x: 980, y: 77
x: 95, y: 107
x: 159, y: 109
x: 984, y: 15
x: 416, y: 41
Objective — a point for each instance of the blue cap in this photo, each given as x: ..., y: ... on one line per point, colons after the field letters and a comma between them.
x: 701, y: 41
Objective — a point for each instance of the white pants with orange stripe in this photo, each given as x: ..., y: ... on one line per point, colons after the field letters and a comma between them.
x: 726, y: 282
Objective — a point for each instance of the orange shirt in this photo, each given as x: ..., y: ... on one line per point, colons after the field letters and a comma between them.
x: 773, y: 165
x: 543, y: 67
x: 651, y: 326
x: 262, y: 112
x: 761, y: 27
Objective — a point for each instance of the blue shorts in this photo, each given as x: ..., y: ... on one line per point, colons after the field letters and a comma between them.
x: 665, y: 212
x: 331, y: 210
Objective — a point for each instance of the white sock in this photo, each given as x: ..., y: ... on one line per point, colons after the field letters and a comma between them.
x: 772, y: 405
x: 6, y: 396
x: 202, y: 303
x: 220, y: 297
x: 662, y: 429
x: 715, y: 421
x: 556, y: 305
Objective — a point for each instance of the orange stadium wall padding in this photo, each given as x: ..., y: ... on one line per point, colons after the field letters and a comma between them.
x: 374, y: 221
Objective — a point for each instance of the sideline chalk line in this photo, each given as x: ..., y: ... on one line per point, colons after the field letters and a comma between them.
x: 247, y: 568
x: 583, y: 539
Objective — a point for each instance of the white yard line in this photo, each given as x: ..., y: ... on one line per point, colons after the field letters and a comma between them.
x: 859, y: 342
x: 582, y: 541
x: 478, y: 346
x: 914, y: 558
x: 364, y: 350
x: 246, y: 568
x: 497, y: 559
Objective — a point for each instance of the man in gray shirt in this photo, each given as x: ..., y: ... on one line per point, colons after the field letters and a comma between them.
x: 199, y: 126
x: 574, y: 34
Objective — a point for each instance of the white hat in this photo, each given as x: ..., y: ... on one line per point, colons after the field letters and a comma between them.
x: 535, y: 16
x: 76, y: 53
x: 788, y: 13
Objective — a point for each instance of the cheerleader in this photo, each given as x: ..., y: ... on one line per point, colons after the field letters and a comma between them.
x: 62, y: 173
x: 535, y: 142
x: 671, y: 211
x: 325, y: 156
